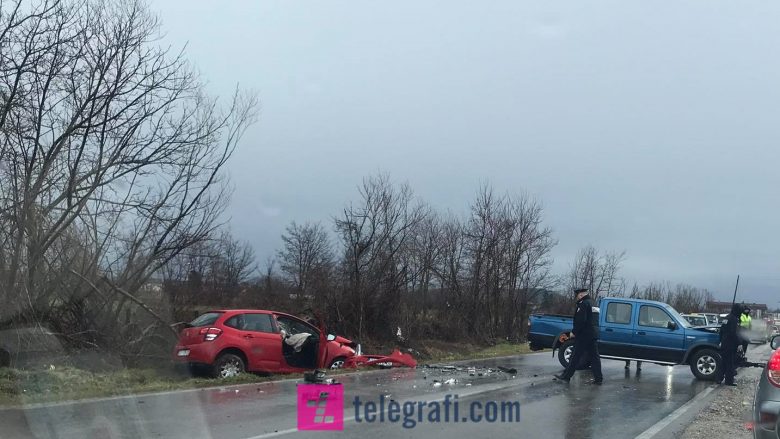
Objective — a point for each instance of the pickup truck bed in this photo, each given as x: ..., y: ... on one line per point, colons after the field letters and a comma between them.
x: 545, y: 329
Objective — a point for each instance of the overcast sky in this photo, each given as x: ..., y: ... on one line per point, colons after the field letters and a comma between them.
x: 650, y: 127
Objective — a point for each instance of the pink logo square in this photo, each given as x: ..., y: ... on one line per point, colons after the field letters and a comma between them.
x: 320, y: 407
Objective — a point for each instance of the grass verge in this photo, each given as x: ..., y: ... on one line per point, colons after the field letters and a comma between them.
x: 19, y: 387
x: 62, y: 383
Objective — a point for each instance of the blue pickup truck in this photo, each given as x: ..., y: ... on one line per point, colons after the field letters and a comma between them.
x: 635, y: 329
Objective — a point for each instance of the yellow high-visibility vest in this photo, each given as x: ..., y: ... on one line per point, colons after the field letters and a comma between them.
x: 745, y: 321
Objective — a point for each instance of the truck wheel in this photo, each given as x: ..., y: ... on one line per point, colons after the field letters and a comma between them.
x: 706, y: 364
x: 565, y: 352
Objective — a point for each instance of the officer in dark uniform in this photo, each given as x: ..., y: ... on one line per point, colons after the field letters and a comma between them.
x: 729, y: 340
x: 585, y: 335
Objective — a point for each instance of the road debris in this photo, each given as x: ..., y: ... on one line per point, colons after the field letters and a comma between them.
x: 395, y: 359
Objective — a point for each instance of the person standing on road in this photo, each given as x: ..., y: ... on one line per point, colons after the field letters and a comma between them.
x: 745, y: 325
x: 585, y: 334
x: 729, y: 340
x: 745, y: 321
x: 638, y: 365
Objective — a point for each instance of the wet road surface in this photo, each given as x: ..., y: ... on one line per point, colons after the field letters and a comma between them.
x: 624, y: 406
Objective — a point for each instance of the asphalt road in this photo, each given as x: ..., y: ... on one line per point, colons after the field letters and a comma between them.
x: 626, y: 405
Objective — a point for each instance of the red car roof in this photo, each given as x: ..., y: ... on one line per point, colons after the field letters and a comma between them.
x: 258, y: 311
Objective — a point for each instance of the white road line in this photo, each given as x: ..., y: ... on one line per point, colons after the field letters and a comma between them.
x: 671, y: 417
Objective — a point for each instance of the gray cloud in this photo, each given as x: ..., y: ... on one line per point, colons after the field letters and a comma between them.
x: 647, y: 127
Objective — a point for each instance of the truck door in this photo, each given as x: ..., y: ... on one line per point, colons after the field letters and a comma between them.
x: 654, y: 339
x: 617, y: 330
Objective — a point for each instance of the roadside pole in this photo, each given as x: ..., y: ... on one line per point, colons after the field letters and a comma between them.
x: 734, y: 300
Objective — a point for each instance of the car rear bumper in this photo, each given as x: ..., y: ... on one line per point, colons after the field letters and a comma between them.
x: 767, y: 420
x: 199, y: 353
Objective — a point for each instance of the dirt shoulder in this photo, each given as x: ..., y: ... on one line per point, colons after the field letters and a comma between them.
x: 729, y: 413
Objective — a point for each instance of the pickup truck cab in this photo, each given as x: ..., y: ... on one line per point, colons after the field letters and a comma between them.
x: 636, y: 329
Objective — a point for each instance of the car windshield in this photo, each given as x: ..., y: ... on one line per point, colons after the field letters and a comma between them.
x: 697, y: 320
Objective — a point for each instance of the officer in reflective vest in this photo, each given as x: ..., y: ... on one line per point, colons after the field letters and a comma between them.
x: 745, y: 320
x: 745, y: 324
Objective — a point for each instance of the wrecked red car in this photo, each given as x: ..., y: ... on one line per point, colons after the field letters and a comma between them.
x: 229, y: 342
x: 395, y: 359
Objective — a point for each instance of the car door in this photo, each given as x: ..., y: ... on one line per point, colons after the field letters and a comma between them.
x: 261, y: 342
x: 654, y: 339
x: 291, y: 325
x: 617, y: 331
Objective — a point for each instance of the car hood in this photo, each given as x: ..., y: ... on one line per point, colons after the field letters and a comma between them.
x: 342, y: 340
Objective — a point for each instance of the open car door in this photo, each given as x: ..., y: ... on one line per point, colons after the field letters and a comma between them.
x: 322, y: 346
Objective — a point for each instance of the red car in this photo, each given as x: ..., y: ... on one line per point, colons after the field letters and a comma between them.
x: 233, y: 341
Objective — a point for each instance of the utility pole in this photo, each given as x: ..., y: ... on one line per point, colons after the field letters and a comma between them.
x: 734, y: 300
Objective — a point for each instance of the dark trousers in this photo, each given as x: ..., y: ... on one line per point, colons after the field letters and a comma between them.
x: 587, y: 351
x: 728, y: 367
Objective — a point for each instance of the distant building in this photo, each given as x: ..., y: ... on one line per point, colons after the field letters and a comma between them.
x: 758, y: 309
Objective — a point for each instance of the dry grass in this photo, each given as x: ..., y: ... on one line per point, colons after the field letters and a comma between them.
x: 18, y: 387
x: 60, y: 383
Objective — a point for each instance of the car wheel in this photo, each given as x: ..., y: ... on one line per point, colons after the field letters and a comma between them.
x: 228, y: 365
x: 706, y: 364
x: 565, y: 351
x: 337, y: 363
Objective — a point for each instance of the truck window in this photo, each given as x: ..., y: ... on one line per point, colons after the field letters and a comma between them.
x: 653, y: 316
x: 619, y: 313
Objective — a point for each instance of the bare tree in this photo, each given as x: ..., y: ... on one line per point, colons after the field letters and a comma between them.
x: 232, y: 266
x: 372, y: 235
x: 108, y: 138
x: 508, y: 255
x: 306, y: 258
x: 657, y: 291
x: 597, y: 271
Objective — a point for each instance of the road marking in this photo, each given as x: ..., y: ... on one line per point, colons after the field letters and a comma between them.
x: 671, y: 417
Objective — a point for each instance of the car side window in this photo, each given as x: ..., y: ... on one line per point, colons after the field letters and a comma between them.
x: 251, y: 322
x: 653, y: 316
x: 618, y: 312
x: 258, y: 323
x: 293, y: 326
x: 235, y: 322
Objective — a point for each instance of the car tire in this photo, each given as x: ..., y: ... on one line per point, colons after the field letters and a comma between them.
x: 565, y: 351
x: 228, y: 365
x: 706, y: 364
x: 337, y: 363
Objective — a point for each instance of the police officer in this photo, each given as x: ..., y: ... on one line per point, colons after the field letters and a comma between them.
x: 745, y: 320
x: 745, y: 324
x: 729, y: 340
x: 585, y: 335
